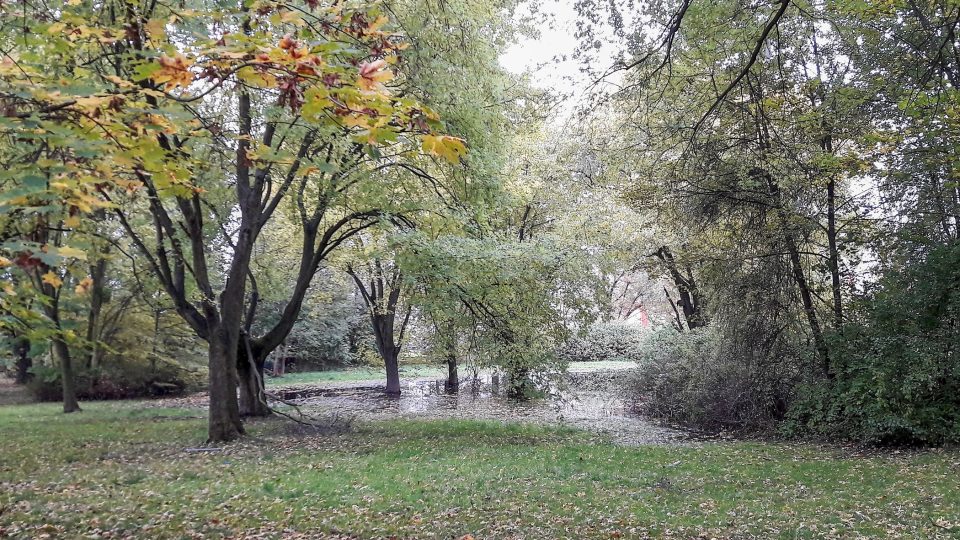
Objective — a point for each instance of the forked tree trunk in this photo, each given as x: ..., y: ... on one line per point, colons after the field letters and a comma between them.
x: 691, y: 300
x: 382, y: 298
x: 382, y: 324
x: 224, y: 415
x: 62, y: 354
x: 253, y: 396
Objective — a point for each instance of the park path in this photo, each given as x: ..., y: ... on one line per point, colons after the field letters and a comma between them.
x: 13, y: 394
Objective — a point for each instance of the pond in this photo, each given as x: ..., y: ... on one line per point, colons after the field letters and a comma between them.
x: 591, y: 399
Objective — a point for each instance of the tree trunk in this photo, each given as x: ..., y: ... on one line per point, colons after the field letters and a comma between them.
x: 21, y: 350
x: 224, y: 422
x: 253, y: 395
x: 392, y: 364
x: 97, y: 295
x: 808, y: 307
x: 382, y: 324
x: 280, y: 364
x: 62, y: 354
x: 447, y: 334
x: 691, y: 301
x: 834, y: 254
x: 806, y: 297
x: 453, y: 378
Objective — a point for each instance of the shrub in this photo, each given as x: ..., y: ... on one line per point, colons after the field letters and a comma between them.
x: 613, y: 341
x: 707, y: 381
x: 118, y: 379
x: 897, y: 367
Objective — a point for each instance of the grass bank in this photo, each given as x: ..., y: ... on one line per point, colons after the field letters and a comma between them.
x: 120, y: 470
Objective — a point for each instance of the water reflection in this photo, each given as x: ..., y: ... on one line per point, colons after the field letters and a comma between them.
x: 592, y: 401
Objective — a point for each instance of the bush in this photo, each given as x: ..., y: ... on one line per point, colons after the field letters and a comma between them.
x: 613, y: 341
x: 897, y: 368
x: 703, y: 380
x: 118, y: 379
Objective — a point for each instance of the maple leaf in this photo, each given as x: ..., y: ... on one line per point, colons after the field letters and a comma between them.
x: 288, y: 43
x: 52, y: 279
x: 74, y: 253
x: 83, y: 286
x: 373, y: 75
x: 446, y: 146
x: 173, y: 72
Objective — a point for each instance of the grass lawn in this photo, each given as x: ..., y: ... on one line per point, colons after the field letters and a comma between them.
x: 119, y: 470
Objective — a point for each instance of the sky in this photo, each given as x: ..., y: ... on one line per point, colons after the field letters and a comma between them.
x: 549, y: 56
x: 555, y: 40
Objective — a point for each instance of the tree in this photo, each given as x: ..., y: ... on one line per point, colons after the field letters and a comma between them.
x: 380, y: 283
x: 214, y: 131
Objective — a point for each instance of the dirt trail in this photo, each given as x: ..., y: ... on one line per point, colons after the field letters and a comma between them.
x: 13, y: 394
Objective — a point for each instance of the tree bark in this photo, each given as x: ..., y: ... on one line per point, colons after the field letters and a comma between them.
x: 392, y: 364
x: 97, y: 296
x: 382, y: 298
x: 834, y: 253
x: 62, y: 354
x: 253, y: 393
x: 21, y: 350
x: 453, y: 378
x: 224, y: 422
x: 691, y: 301
x: 809, y: 308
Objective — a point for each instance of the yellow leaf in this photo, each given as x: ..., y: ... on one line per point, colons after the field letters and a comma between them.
x: 357, y: 120
x: 73, y: 253
x: 122, y: 83
x: 52, y: 279
x: 445, y: 146
x: 83, y: 286
x: 156, y: 29
x: 4, y: 262
x: 375, y: 25
x: 174, y: 71
x: 72, y: 222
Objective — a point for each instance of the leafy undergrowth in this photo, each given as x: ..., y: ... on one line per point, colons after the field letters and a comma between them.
x: 118, y: 470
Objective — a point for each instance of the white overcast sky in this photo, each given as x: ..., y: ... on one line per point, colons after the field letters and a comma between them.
x: 556, y: 40
x: 549, y: 57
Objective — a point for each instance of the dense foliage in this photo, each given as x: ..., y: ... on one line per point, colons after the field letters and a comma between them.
x: 757, y: 203
x: 898, y: 372
x: 612, y: 341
